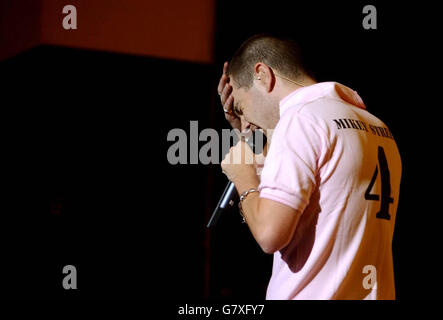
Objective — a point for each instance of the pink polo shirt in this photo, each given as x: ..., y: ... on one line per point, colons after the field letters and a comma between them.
x: 339, y: 167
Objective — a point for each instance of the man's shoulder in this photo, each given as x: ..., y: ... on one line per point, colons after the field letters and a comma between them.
x: 315, y: 110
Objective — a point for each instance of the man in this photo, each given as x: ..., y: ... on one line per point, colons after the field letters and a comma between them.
x: 325, y: 203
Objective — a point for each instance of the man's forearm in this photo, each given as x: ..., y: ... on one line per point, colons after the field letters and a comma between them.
x: 251, y: 206
x: 271, y: 223
x: 242, y: 185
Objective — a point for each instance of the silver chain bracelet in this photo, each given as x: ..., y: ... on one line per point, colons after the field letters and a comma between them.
x: 242, y: 197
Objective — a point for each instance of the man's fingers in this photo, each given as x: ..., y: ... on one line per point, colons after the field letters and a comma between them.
x: 241, y: 153
x: 225, y: 67
x: 226, y: 92
x: 223, y: 79
x: 228, y: 105
x: 221, y: 83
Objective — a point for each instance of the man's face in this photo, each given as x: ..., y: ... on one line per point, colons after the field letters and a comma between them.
x: 255, y: 109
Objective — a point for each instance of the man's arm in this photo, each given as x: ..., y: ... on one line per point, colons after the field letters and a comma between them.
x: 272, y: 223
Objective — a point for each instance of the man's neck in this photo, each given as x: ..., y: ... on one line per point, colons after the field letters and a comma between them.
x: 288, y: 87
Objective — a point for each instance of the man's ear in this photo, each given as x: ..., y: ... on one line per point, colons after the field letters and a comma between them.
x: 265, y: 76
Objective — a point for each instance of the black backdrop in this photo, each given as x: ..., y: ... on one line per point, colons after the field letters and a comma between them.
x: 85, y: 135
x: 86, y: 179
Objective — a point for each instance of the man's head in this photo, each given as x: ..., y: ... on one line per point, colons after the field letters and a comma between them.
x: 263, y: 71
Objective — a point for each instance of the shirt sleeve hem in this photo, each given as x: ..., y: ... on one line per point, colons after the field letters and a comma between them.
x: 283, y: 197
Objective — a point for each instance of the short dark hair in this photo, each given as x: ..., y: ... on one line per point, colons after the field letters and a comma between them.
x: 281, y: 54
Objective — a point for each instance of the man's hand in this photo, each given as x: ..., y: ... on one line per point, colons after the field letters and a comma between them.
x: 272, y: 223
x: 224, y: 90
x: 240, y: 167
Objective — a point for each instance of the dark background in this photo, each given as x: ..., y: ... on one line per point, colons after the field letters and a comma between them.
x: 86, y: 179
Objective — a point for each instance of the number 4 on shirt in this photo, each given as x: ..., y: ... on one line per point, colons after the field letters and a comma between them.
x: 385, y: 186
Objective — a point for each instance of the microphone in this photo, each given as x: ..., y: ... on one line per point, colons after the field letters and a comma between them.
x: 230, y: 196
x: 226, y: 202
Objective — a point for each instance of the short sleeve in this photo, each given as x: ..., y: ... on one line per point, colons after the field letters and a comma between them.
x: 290, y: 169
